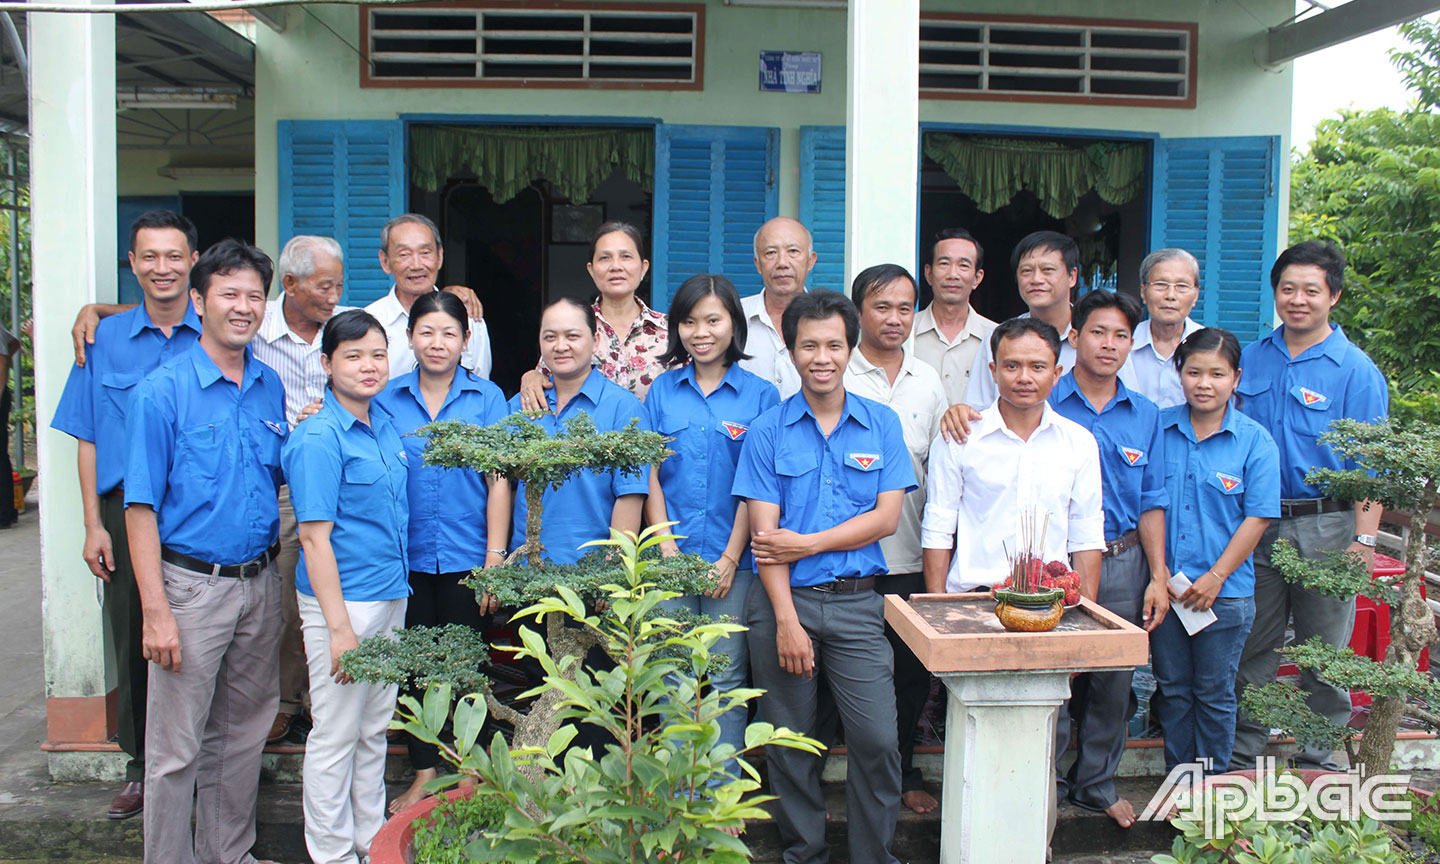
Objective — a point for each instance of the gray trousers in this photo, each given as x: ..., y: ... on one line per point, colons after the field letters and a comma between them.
x: 1100, y: 703
x: 853, y: 655
x: 294, y: 674
x: 206, y: 724
x: 1276, y: 603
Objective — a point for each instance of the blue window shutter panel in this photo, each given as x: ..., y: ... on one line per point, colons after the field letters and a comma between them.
x: 1217, y: 199
x: 344, y: 179
x: 714, y: 187
x: 822, y: 202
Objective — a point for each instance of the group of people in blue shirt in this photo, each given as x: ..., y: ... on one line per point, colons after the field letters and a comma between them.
x: 185, y: 438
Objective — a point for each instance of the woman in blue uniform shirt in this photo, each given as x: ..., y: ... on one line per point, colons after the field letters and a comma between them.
x: 347, y: 472
x: 458, y: 519
x: 706, y: 405
x: 594, y: 501
x: 1222, y: 473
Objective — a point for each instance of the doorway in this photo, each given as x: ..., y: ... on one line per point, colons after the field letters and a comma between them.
x: 530, y: 248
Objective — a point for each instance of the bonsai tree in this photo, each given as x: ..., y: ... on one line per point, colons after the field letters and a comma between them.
x: 665, y: 790
x: 522, y: 451
x: 1401, y: 460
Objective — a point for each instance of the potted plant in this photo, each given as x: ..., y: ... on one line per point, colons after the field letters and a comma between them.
x: 1401, y: 470
x: 663, y: 791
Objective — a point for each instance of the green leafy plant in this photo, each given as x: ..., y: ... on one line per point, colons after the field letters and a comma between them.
x: 442, y: 835
x: 417, y: 657
x: 663, y: 789
x: 1401, y: 468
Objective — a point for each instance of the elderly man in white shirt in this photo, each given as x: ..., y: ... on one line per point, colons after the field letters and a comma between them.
x: 1022, y: 457
x: 784, y: 256
x: 949, y: 332
x: 882, y: 370
x: 411, y: 253
x: 1169, y: 287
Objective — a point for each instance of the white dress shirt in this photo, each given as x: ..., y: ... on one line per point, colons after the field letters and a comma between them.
x: 768, y: 356
x: 978, y: 490
x: 396, y: 318
x: 918, y: 398
x: 980, y: 391
x: 296, y: 361
x: 1151, y: 375
x: 952, y: 359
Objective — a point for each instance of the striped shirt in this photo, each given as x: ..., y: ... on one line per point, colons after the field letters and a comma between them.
x: 296, y: 361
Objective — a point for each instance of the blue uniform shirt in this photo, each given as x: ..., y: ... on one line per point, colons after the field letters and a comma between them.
x: 819, y: 482
x: 343, y: 471
x: 205, y: 455
x: 1132, y: 451
x: 709, y: 432
x: 92, y: 408
x: 1214, y: 485
x: 1296, y: 400
x: 580, y: 511
x: 447, y: 505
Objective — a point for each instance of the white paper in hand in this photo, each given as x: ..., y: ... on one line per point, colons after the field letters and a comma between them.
x: 1192, y: 621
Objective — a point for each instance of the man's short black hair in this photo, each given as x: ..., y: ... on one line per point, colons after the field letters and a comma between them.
x: 165, y: 219
x: 957, y: 234
x: 226, y: 257
x: 1047, y: 241
x: 1014, y: 328
x: 817, y: 306
x: 877, y: 277
x: 1323, y: 254
x: 1103, y: 299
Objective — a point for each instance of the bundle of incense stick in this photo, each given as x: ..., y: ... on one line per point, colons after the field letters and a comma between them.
x: 1024, y: 576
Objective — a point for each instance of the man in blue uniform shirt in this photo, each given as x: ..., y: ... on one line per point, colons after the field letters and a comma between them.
x: 1133, y: 577
x: 1295, y: 383
x: 203, y: 469
x: 825, y: 474
x: 92, y: 408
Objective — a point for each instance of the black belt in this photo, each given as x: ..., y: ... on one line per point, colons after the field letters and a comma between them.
x: 248, y: 570
x: 1125, y: 542
x: 848, y: 585
x: 1311, y: 506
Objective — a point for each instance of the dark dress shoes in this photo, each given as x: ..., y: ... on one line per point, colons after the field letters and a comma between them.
x: 129, y: 802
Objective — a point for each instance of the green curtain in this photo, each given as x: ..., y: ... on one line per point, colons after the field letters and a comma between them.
x: 507, y: 159
x: 992, y: 170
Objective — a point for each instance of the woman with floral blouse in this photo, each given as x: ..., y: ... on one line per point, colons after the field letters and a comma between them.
x: 631, y: 337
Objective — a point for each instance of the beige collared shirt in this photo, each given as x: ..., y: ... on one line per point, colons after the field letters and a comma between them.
x: 953, y: 359
x: 918, y: 398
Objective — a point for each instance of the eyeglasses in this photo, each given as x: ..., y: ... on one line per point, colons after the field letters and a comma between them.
x: 1180, y: 288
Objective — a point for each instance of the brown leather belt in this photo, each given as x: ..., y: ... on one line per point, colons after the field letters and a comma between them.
x: 1125, y: 542
x: 248, y: 570
x: 1311, y: 506
x: 851, y: 585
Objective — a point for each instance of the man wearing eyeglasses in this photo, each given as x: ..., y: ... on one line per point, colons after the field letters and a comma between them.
x: 1169, y: 286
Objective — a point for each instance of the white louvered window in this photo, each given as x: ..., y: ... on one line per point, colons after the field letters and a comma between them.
x: 615, y: 45
x: 1057, y: 61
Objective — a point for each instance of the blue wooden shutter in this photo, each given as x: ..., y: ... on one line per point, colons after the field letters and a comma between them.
x: 1217, y: 199
x: 714, y: 187
x: 822, y: 201
x: 344, y: 179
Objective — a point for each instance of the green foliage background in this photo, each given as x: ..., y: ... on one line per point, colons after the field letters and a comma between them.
x: 1371, y: 182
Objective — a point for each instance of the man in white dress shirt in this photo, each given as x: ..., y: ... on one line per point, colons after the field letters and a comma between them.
x: 411, y: 253
x: 949, y: 332
x: 784, y: 256
x: 882, y: 370
x: 1169, y: 287
x: 1047, y: 266
x: 1021, y: 458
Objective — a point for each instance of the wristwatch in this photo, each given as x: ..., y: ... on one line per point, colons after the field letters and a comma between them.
x: 1365, y: 540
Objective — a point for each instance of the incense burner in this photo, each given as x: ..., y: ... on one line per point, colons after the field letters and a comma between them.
x: 1026, y: 612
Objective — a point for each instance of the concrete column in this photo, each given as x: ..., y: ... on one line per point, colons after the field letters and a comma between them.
x: 882, y: 140
x: 72, y: 195
x: 999, y: 783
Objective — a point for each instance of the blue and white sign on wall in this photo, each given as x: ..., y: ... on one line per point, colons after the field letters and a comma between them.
x: 790, y: 71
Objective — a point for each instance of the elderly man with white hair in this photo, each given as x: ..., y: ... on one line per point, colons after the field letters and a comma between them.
x: 1169, y: 286
x: 312, y: 278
